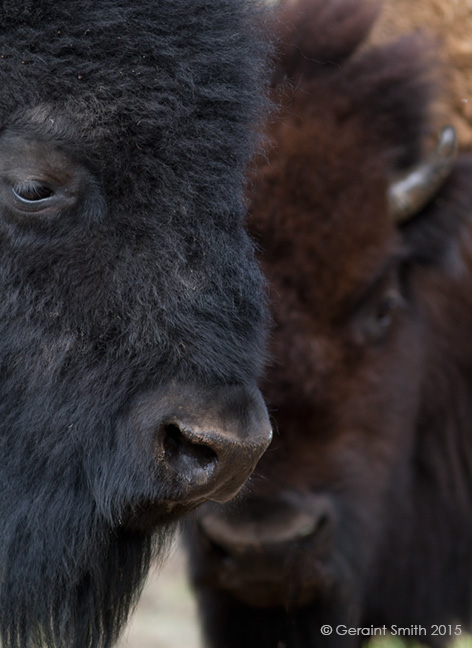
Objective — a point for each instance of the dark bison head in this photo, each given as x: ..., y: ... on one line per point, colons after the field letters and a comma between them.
x: 131, y: 307
x: 369, y: 268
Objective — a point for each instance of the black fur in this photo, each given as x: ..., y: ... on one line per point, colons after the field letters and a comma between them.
x: 150, y: 278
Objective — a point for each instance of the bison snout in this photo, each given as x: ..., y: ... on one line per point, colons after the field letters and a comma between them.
x: 211, y: 461
x: 188, y: 453
x: 201, y: 443
x: 268, y: 525
x: 265, y: 552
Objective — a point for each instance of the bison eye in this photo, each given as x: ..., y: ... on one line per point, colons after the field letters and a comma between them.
x: 379, y: 321
x: 32, y: 191
x: 378, y: 311
x: 385, y: 311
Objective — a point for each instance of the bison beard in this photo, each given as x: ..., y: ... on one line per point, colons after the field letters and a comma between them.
x: 359, y: 512
x: 131, y: 308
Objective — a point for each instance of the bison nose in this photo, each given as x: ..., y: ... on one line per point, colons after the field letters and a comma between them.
x: 205, y: 441
x: 212, y: 460
x: 269, y: 526
x: 265, y: 552
x: 187, y: 452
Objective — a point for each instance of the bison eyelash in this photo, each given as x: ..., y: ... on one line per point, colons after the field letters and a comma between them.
x: 32, y: 191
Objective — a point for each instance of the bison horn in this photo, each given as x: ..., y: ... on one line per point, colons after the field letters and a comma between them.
x: 411, y: 192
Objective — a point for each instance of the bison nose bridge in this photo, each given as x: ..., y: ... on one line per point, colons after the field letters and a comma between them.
x: 209, y: 442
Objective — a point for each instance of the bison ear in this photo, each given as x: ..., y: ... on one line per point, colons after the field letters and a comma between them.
x: 312, y: 35
x: 438, y: 234
x: 393, y: 89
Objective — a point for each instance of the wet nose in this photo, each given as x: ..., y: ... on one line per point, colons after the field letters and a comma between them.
x: 207, y: 442
x: 213, y: 458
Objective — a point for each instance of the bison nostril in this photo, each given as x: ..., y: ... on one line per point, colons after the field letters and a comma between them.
x: 322, y: 523
x: 182, y: 453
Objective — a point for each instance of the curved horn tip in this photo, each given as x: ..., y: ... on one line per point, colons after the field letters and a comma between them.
x: 447, y: 145
x: 418, y: 185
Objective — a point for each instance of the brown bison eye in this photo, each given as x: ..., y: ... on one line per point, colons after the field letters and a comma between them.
x: 385, y: 311
x: 32, y: 191
x: 377, y: 312
x: 381, y: 318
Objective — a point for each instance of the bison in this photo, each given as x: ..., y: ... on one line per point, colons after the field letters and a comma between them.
x: 359, y: 514
x: 132, y: 310
x: 450, y: 23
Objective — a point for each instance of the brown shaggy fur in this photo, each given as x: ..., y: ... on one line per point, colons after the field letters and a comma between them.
x: 450, y: 23
x: 371, y: 382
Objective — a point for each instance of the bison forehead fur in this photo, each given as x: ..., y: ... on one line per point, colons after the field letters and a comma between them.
x: 359, y: 511
x: 450, y: 24
x: 124, y: 131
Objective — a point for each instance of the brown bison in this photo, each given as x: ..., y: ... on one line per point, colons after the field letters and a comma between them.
x: 132, y: 309
x: 359, y: 514
x: 450, y: 23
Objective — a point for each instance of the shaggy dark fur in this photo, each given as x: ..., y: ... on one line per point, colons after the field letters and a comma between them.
x: 371, y: 384
x: 148, y: 278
